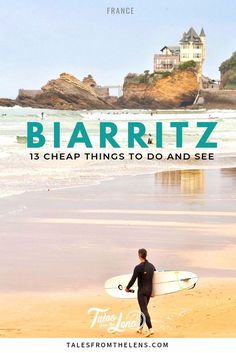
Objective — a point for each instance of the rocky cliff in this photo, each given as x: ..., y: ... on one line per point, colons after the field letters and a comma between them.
x: 65, y: 92
x: 160, y: 91
x: 5, y: 102
x: 89, y: 81
x: 151, y: 91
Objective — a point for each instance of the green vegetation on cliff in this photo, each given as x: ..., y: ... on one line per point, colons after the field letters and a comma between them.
x: 228, y: 72
x: 160, y: 90
x: 191, y: 64
x: 148, y: 78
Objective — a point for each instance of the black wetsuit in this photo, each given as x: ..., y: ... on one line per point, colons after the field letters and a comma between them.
x: 144, y: 272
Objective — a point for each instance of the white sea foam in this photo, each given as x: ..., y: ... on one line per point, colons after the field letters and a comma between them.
x: 18, y: 174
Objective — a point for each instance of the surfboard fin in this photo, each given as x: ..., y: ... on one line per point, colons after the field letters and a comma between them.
x: 193, y: 286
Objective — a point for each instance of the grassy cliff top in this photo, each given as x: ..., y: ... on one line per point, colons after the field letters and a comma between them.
x: 147, y: 77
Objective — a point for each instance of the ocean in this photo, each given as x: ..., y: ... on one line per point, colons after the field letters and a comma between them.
x: 19, y: 174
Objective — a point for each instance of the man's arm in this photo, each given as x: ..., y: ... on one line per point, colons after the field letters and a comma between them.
x: 133, y: 279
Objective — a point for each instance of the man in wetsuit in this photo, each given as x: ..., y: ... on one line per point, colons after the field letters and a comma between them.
x: 144, y: 272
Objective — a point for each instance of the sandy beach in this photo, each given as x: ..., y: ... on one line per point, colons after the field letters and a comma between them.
x: 209, y: 310
x: 59, y: 246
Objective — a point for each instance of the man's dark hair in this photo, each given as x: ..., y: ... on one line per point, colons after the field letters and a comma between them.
x: 142, y: 253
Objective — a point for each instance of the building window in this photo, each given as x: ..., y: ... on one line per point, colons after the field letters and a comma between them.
x: 196, y: 46
x: 196, y: 55
x: 185, y: 46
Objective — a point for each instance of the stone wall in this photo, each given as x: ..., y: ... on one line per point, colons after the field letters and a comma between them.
x: 222, y: 99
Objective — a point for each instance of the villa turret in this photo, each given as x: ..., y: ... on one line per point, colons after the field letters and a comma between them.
x: 192, y: 47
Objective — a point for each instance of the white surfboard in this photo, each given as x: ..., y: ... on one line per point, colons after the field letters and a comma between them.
x: 164, y: 282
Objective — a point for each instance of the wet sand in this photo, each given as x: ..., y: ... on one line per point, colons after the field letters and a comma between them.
x: 74, y: 239
x: 59, y: 246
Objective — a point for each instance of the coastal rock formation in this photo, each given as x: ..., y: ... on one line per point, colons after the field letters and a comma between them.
x: 102, y: 92
x: 89, y: 81
x: 146, y: 91
x: 5, y: 102
x: 65, y: 92
x: 160, y: 91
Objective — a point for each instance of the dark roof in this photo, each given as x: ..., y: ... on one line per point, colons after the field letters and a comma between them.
x: 202, y: 34
x: 173, y: 49
x: 191, y: 36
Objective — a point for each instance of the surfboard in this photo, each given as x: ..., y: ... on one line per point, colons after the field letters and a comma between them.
x: 164, y: 282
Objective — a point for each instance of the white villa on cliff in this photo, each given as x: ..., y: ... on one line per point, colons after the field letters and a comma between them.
x: 192, y: 47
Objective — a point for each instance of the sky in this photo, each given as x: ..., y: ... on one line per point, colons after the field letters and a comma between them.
x: 39, y: 39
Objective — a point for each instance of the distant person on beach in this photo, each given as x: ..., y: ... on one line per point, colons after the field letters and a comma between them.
x: 144, y: 273
x: 150, y: 141
x: 42, y: 115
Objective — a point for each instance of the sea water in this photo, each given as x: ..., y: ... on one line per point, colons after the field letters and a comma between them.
x: 19, y: 173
